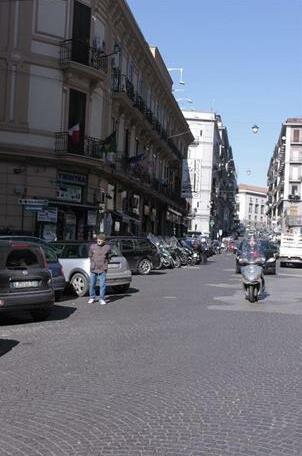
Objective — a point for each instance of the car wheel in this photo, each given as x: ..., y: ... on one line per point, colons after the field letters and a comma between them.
x: 121, y: 288
x: 144, y: 266
x: 40, y: 314
x: 79, y: 284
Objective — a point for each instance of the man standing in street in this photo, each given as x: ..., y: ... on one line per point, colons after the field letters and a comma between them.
x: 99, y: 256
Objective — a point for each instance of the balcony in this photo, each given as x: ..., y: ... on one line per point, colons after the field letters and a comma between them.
x: 86, y: 146
x: 84, y: 59
x: 122, y: 85
x: 294, y: 198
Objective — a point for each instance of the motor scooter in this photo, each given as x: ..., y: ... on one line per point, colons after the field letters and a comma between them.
x: 252, y: 276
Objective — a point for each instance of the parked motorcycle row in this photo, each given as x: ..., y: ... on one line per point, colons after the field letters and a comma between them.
x: 175, y: 253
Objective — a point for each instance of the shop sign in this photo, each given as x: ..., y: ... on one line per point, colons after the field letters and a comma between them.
x: 33, y: 202
x: 70, y: 193
x: 33, y: 205
x: 48, y: 215
x: 71, y: 178
x: 49, y: 232
x: 91, y: 218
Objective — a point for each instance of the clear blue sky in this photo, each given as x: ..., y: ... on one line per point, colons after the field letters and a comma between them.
x: 241, y: 58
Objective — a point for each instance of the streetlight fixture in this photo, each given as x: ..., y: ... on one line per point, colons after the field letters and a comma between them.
x: 255, y: 128
x: 181, y: 73
x: 188, y: 100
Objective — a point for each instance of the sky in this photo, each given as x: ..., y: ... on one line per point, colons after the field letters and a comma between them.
x: 241, y: 58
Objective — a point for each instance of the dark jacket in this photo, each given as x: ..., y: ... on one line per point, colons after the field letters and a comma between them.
x: 99, y: 257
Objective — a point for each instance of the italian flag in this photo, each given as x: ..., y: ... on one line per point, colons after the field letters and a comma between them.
x: 74, y: 132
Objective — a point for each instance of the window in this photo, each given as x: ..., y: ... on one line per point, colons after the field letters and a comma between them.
x: 70, y: 251
x: 262, y: 209
x: 143, y: 244
x: 50, y: 254
x: 250, y: 208
x: 197, y: 205
x: 195, y: 227
x: 24, y: 258
x: 256, y: 208
x: 296, y: 135
x: 126, y: 245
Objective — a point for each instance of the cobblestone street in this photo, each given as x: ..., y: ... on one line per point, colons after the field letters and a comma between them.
x: 180, y: 365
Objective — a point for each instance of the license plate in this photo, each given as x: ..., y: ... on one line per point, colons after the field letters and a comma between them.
x: 25, y: 284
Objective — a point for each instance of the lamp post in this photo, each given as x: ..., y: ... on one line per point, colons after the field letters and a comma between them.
x: 182, y: 100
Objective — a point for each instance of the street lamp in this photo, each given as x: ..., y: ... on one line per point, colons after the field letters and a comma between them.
x: 181, y: 73
x: 188, y: 100
x: 255, y: 128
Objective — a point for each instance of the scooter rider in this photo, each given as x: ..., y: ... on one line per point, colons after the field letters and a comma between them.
x: 253, y: 250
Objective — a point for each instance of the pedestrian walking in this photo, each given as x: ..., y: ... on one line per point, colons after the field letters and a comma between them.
x: 99, y: 257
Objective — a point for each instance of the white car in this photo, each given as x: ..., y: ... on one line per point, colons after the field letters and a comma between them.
x: 73, y: 256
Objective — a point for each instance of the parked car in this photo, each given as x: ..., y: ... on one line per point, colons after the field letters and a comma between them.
x: 73, y: 255
x: 25, y: 281
x: 142, y: 255
x: 53, y: 263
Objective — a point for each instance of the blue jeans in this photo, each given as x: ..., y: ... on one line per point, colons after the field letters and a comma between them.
x: 102, y: 284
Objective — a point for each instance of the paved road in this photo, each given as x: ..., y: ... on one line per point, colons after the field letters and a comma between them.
x: 181, y: 365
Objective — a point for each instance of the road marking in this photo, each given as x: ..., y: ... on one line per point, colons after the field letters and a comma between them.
x: 169, y: 297
x: 289, y: 275
x: 222, y: 285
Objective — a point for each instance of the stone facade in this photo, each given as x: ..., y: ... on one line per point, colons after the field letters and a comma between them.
x: 252, y: 205
x: 209, y: 181
x: 284, y: 179
x: 86, y: 120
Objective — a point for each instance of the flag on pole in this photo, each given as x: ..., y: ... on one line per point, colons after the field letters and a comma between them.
x: 109, y: 144
x: 74, y: 132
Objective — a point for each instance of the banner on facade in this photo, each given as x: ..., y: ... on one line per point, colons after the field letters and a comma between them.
x: 191, y: 177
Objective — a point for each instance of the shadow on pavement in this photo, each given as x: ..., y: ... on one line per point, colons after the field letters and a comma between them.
x: 129, y: 292
x: 6, y: 345
x: 18, y: 318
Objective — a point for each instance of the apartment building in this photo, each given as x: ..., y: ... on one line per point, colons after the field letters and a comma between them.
x: 252, y: 206
x: 284, y: 178
x: 209, y: 175
x: 88, y: 123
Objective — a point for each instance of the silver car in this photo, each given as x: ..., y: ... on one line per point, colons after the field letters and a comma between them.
x: 73, y: 256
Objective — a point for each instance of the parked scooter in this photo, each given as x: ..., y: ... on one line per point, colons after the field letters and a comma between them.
x: 252, y: 262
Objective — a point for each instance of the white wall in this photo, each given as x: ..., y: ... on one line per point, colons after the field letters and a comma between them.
x: 45, y: 98
x: 96, y: 114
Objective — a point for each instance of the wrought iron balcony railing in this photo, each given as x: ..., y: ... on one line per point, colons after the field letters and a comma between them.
x: 81, y: 52
x: 85, y: 146
x: 121, y: 84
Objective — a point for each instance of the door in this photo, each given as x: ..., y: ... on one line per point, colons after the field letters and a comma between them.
x: 81, y: 33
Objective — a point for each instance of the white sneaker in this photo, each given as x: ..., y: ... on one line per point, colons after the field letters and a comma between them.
x: 91, y: 301
x: 103, y: 302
